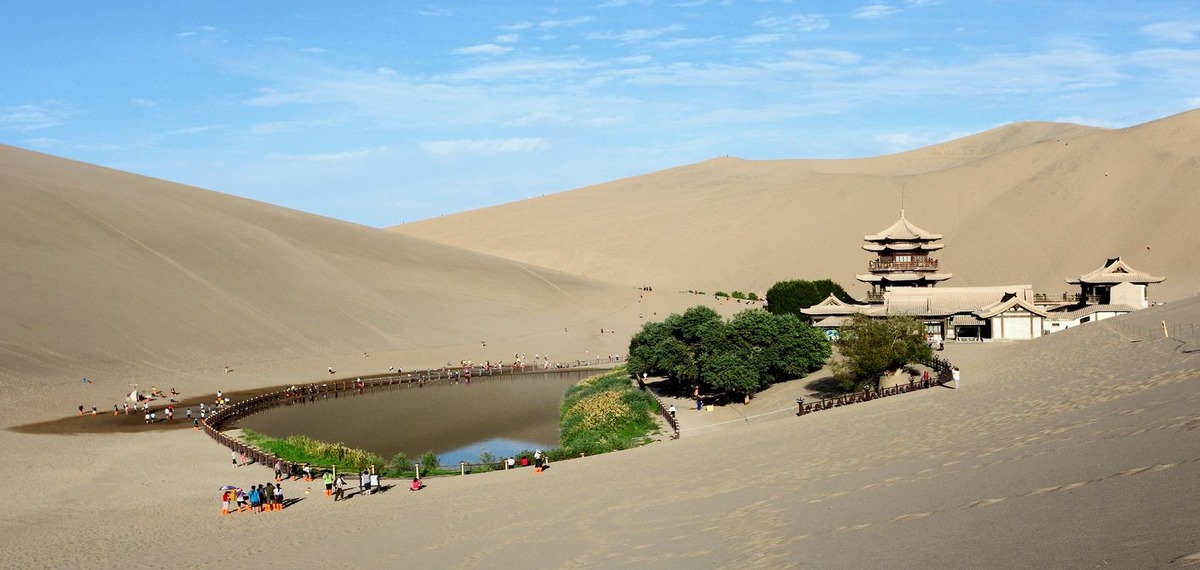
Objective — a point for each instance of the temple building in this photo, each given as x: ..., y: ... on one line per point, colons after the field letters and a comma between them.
x: 903, y: 277
x: 902, y: 259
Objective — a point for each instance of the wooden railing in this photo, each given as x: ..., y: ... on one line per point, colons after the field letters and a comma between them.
x: 918, y: 265
x: 213, y: 423
x: 939, y: 365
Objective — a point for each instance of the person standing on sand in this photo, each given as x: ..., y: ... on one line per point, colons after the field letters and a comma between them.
x: 955, y: 374
x: 233, y: 457
x: 671, y: 410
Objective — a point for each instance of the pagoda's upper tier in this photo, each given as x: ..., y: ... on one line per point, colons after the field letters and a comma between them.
x: 903, y: 231
x: 905, y: 246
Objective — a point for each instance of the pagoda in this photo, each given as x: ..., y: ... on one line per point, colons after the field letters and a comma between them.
x: 903, y: 259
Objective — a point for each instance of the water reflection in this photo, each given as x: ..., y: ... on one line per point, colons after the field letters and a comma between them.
x: 502, y: 414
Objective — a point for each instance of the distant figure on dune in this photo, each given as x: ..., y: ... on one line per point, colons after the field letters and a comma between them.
x: 331, y: 370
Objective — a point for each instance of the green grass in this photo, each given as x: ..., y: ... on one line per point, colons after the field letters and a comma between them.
x: 605, y: 413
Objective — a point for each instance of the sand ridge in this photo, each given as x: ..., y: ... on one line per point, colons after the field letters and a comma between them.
x: 1078, y: 449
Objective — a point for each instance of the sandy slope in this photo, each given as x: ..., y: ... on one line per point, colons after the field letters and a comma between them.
x: 1025, y: 203
x: 1076, y: 450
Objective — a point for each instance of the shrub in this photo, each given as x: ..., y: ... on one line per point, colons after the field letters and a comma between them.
x: 430, y: 462
x: 400, y: 464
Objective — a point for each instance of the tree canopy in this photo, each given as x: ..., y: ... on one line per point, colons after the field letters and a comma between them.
x: 744, y: 355
x: 791, y: 296
x: 869, y: 347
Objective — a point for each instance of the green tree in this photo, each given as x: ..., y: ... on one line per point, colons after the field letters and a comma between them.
x: 792, y: 296
x: 400, y: 463
x: 430, y: 462
x: 751, y: 351
x: 869, y: 347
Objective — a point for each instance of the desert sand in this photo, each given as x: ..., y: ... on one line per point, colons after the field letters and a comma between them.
x: 1024, y: 203
x: 1075, y: 450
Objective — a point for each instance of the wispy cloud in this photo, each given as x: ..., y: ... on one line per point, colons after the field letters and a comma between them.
x: 483, y: 49
x: 434, y: 11
x: 795, y: 23
x: 484, y: 146
x: 314, y: 50
x: 875, y: 11
x: 637, y: 35
x: 142, y: 102
x: 342, y: 156
x: 508, y: 38
x: 35, y: 116
x: 198, y: 30
x: 1176, y: 32
x: 569, y: 23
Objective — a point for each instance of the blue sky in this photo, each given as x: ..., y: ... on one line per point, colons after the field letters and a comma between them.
x: 380, y: 113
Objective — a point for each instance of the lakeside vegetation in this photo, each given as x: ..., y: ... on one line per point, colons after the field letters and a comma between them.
x: 599, y: 414
x: 605, y: 413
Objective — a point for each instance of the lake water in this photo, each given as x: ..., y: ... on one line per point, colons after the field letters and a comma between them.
x: 499, y: 414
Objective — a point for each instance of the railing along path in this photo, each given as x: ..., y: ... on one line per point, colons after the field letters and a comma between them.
x: 214, y: 422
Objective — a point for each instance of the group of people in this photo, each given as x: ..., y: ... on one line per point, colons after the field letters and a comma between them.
x: 259, y: 498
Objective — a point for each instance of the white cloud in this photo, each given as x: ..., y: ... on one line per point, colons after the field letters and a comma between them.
x: 1177, y: 32
x: 314, y: 50
x: 613, y: 4
x: 484, y: 146
x: 196, y: 31
x: 483, y: 49
x: 1194, y: 102
x: 901, y: 141
x: 638, y: 35
x: 343, y: 156
x: 875, y: 11
x: 758, y: 39
x: 141, y: 102
x: 434, y: 11
x: 508, y: 38
x: 564, y: 23
x: 386, y: 71
x: 34, y: 116
x: 43, y: 142
x: 795, y: 22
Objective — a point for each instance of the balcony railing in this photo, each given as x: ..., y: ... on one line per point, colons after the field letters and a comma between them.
x: 918, y: 265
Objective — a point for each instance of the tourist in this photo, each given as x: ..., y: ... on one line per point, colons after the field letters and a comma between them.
x: 189, y: 413
x: 339, y: 488
x: 925, y: 379
x: 81, y: 409
x: 375, y: 482
x: 242, y: 457
x: 416, y: 485
x: 327, y: 478
x: 955, y: 374
x: 671, y: 410
x: 240, y: 497
x: 225, y: 501
x: 364, y: 483
x: 233, y: 457
x: 511, y: 463
x: 537, y: 459
x: 278, y: 497
x: 255, y: 499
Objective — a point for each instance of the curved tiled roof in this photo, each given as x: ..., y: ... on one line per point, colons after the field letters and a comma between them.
x: 1116, y: 271
x: 903, y: 230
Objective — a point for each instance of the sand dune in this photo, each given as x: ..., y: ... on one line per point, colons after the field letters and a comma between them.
x: 1025, y: 203
x: 1075, y: 450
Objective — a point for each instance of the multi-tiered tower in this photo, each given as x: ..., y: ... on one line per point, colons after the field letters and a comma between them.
x: 903, y: 259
